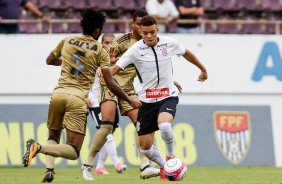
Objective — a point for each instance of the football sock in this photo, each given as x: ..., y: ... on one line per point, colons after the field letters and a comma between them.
x: 168, y: 137
x: 98, y: 141
x: 59, y: 150
x: 154, y: 155
x: 50, y: 161
x: 102, y: 157
x: 111, y: 149
x: 144, y: 161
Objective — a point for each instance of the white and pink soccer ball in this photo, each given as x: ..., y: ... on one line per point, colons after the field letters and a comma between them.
x: 175, y: 169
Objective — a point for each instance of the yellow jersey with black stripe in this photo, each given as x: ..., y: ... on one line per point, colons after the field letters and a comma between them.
x: 81, y: 56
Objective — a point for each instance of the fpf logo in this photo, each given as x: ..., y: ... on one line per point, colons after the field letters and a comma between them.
x: 233, y: 134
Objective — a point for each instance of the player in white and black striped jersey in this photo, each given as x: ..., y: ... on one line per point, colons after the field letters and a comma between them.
x: 159, y: 96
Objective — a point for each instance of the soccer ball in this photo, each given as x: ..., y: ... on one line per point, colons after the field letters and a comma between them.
x: 175, y: 169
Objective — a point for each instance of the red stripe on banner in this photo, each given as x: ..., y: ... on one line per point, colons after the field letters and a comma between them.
x: 232, y: 121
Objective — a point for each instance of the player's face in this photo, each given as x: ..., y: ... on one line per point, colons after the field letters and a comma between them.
x: 107, y: 41
x: 149, y: 34
x: 136, y: 25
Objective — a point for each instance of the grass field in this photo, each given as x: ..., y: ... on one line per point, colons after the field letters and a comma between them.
x: 196, y: 175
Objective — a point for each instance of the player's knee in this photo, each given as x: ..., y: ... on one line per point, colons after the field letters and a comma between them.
x: 107, y: 126
x: 166, y: 132
x: 77, y: 153
x: 53, y: 139
x: 147, y: 152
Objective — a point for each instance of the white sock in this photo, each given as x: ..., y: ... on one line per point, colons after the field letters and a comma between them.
x: 144, y: 161
x: 154, y: 155
x: 102, y: 157
x: 111, y: 149
x: 168, y: 137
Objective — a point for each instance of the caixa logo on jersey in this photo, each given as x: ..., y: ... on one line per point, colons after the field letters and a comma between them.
x: 233, y: 134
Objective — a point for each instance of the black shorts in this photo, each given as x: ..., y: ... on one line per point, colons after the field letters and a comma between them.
x: 147, y: 121
x: 97, y: 116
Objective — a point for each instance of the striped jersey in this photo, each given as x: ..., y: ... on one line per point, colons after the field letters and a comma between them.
x: 154, y: 65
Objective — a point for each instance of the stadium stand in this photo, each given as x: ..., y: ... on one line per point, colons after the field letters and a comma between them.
x: 130, y: 5
x: 29, y: 27
x: 228, y: 28
x: 217, y: 10
x: 51, y: 4
x: 106, y: 5
x: 75, y: 4
x: 253, y: 28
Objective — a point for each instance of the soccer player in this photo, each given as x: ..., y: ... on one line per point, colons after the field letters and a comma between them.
x: 109, y: 147
x: 79, y: 58
x: 125, y: 80
x: 159, y: 96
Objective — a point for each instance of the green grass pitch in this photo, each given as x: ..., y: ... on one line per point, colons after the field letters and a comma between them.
x: 196, y: 175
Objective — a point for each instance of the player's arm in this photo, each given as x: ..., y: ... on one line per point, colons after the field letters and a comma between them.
x: 54, y: 57
x: 189, y: 56
x: 53, y: 60
x: 115, y: 88
x: 179, y: 87
x: 115, y: 69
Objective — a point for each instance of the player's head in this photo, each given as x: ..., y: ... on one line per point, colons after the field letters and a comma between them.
x: 92, y: 22
x: 137, y: 16
x: 149, y: 30
x: 107, y: 39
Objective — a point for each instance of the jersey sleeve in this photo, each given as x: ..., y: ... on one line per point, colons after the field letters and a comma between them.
x: 58, y: 49
x: 127, y: 58
x: 176, y: 48
x: 104, y: 59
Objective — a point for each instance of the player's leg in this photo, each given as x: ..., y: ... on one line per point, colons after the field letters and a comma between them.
x: 100, y: 167
x: 111, y: 147
x: 108, y: 109
x: 167, y: 112
x: 95, y: 113
x: 146, y: 169
x: 145, y: 127
x: 74, y: 122
x: 148, y: 149
x: 53, y: 139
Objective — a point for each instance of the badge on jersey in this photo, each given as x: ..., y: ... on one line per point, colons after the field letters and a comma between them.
x: 164, y: 51
x: 157, y: 93
x: 233, y: 134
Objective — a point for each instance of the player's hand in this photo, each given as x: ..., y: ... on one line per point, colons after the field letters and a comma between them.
x: 178, y: 86
x: 89, y: 103
x: 113, y: 53
x: 99, y: 72
x: 135, y: 103
x: 45, y: 19
x: 203, y: 76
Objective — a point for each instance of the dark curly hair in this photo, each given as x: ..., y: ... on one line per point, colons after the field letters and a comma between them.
x: 92, y: 19
x: 148, y: 21
x: 139, y: 13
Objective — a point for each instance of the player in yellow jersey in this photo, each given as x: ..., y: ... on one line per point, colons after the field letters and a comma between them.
x: 79, y: 58
x: 125, y: 80
x: 109, y: 148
